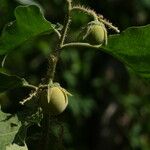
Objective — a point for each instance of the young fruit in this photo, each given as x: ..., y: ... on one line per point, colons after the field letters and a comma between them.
x: 54, y: 100
x: 96, y: 33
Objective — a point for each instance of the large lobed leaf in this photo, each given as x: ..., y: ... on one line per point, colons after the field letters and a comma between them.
x: 132, y: 47
x: 29, y: 23
x: 8, y: 129
x: 16, y: 147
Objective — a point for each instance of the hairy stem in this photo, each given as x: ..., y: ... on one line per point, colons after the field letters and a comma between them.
x: 109, y: 24
x: 56, y: 53
x: 66, y: 24
x: 86, y: 10
x: 51, y: 73
x: 51, y: 70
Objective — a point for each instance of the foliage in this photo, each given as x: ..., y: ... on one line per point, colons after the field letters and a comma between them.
x: 132, y: 48
x: 9, y: 126
x: 29, y: 24
x: 95, y: 94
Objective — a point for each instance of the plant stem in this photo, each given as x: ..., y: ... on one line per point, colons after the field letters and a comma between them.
x: 51, y: 73
x: 56, y: 53
x: 86, y: 10
x: 109, y: 24
x: 66, y: 24
x: 51, y: 69
x: 79, y: 44
x: 30, y: 86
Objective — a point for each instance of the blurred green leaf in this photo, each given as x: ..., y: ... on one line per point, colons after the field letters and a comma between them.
x: 9, y: 126
x: 29, y: 23
x: 8, y: 82
x: 132, y: 47
x: 81, y: 107
x: 146, y: 3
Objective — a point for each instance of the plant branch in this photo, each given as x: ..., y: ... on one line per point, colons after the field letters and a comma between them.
x: 30, y: 86
x: 95, y: 16
x: 66, y: 24
x: 86, y: 10
x: 51, y: 70
x: 55, y: 56
x: 107, y: 23
x: 79, y: 44
x: 58, y: 33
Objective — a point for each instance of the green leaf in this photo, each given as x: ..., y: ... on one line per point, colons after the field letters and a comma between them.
x: 21, y: 136
x: 29, y: 2
x: 9, y: 126
x: 132, y: 47
x: 8, y: 82
x: 29, y: 23
x: 16, y: 147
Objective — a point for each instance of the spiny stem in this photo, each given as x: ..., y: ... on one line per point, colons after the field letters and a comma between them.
x: 66, y: 24
x: 55, y: 56
x: 107, y: 23
x: 95, y: 16
x: 86, y: 10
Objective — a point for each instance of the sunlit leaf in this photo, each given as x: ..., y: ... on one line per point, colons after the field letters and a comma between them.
x: 16, y: 147
x: 9, y: 126
x: 132, y: 47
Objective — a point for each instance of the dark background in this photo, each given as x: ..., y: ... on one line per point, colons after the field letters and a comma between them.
x: 110, y: 108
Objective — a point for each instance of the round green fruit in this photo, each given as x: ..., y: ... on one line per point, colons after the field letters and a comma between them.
x: 96, y: 34
x: 54, y: 100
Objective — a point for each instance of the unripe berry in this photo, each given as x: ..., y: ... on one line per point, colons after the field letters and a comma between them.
x: 54, y: 100
x: 96, y: 34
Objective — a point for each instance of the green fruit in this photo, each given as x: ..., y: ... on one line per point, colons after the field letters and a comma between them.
x: 96, y: 34
x: 54, y: 100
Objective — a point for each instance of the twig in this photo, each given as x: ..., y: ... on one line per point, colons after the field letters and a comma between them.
x: 86, y: 10
x: 31, y: 95
x: 107, y: 23
x: 80, y: 44
x: 66, y: 24
x: 31, y: 86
